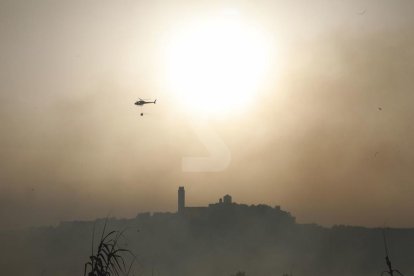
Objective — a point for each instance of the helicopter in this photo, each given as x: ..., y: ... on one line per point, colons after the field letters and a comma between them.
x: 142, y: 102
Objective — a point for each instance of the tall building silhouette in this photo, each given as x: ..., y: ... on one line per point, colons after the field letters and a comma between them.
x: 181, y: 199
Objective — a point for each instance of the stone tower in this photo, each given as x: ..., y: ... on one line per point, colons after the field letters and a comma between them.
x: 181, y: 200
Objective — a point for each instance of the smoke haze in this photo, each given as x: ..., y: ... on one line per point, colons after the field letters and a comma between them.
x: 329, y: 136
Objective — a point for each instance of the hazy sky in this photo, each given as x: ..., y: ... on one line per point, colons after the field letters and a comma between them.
x: 329, y: 135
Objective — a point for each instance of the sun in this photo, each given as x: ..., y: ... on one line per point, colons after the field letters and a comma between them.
x: 216, y: 65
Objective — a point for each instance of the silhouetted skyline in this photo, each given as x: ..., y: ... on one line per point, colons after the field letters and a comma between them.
x: 217, y: 239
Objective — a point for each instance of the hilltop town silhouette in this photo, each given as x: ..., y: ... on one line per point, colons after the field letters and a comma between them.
x: 225, y: 208
x: 224, y: 238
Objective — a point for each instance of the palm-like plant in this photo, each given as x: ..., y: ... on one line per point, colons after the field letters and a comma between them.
x: 109, y: 258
